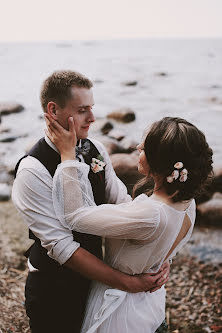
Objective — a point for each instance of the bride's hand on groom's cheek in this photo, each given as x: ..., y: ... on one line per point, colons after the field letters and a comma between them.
x: 64, y: 140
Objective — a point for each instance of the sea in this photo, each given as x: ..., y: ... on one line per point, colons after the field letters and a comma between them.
x: 175, y: 77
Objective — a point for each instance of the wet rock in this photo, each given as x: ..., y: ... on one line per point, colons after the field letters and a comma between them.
x: 116, y: 134
x: 210, y: 212
x: 130, y: 83
x: 5, y: 192
x: 102, y: 125
x: 124, y: 115
x: 9, y: 139
x: 112, y: 146
x: 107, y: 127
x: 129, y: 144
x: 5, y: 129
x: 10, y: 107
x: 11, y: 169
x: 161, y: 74
x: 125, y: 166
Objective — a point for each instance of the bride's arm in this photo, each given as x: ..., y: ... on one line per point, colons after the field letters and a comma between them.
x: 75, y: 207
x: 74, y: 202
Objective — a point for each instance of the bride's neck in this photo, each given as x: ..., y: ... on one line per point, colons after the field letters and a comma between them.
x: 159, y: 193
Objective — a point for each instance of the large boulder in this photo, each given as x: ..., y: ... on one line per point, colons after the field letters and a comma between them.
x: 124, y: 115
x: 210, y: 212
x: 10, y: 107
x: 125, y: 166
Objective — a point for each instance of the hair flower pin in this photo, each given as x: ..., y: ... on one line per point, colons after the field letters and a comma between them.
x: 97, y: 164
x: 183, y: 175
x: 178, y: 165
x: 176, y: 173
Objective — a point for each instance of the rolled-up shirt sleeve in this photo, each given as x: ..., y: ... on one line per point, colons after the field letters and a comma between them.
x: 32, y: 196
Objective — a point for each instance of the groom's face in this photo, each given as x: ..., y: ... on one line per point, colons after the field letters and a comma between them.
x: 80, y: 108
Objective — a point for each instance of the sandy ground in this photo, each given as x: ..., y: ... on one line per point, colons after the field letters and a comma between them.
x: 194, y: 292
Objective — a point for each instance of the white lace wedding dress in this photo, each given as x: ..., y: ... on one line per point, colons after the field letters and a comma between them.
x: 139, y: 235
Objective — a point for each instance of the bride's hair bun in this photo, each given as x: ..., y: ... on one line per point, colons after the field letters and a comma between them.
x: 172, y: 140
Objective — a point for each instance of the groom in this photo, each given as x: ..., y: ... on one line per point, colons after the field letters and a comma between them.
x: 62, y: 263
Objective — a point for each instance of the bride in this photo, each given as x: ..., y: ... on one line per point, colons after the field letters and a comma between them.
x: 142, y: 234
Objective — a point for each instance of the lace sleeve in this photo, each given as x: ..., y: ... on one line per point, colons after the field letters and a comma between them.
x: 75, y: 207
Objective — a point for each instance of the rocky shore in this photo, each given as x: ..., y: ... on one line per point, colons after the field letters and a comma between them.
x: 194, y: 289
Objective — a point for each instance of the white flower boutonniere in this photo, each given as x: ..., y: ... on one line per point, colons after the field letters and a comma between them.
x: 97, y: 164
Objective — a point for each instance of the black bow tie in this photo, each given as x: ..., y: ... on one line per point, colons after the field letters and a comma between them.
x: 83, y: 150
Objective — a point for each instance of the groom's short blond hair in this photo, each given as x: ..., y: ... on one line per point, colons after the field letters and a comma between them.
x: 57, y: 87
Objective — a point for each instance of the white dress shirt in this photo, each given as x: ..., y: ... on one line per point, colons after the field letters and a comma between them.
x: 32, y: 196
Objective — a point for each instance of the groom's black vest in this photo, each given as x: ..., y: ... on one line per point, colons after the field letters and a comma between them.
x: 50, y: 159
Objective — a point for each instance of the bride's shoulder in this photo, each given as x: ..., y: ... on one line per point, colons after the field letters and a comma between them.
x: 141, y: 197
x: 144, y: 201
x: 144, y: 197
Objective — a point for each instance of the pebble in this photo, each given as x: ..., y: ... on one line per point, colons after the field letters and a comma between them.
x: 161, y: 74
x: 130, y: 83
x: 204, y: 309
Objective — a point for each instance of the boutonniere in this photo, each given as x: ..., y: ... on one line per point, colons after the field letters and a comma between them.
x: 97, y: 164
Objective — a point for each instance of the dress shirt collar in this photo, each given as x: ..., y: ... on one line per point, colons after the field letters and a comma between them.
x: 51, y: 144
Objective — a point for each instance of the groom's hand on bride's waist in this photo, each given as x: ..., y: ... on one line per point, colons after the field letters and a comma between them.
x: 150, y: 281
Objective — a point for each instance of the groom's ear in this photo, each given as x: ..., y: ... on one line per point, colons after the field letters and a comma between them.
x: 52, y: 108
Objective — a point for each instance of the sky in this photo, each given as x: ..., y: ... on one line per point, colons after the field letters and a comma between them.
x: 45, y: 20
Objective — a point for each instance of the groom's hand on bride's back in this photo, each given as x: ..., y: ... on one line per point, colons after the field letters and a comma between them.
x: 150, y: 281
